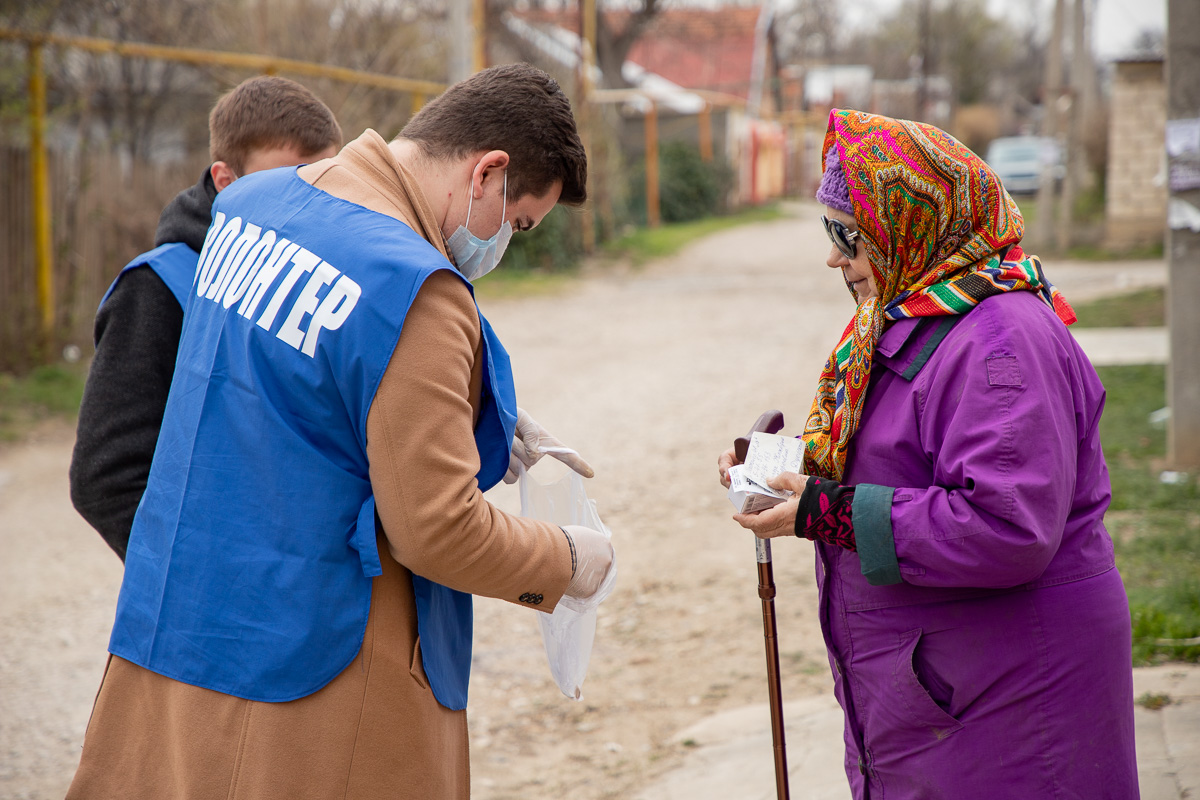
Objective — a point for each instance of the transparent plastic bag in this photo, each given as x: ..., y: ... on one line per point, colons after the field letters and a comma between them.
x: 568, y: 633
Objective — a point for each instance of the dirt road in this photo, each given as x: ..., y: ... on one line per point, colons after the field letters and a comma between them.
x: 648, y: 373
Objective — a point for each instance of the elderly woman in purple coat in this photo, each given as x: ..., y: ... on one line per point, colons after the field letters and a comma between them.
x: 977, y: 628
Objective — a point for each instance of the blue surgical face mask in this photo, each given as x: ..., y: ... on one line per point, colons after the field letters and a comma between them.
x: 476, y: 257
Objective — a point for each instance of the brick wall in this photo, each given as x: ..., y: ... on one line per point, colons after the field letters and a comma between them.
x: 1136, y: 202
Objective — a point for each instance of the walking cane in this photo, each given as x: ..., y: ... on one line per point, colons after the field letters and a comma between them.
x: 769, y: 422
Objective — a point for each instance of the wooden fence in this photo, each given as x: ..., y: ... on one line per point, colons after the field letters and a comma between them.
x: 105, y: 210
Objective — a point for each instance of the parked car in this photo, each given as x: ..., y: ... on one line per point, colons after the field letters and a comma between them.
x: 1020, y: 161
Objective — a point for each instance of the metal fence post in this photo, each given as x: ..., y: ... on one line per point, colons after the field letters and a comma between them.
x: 43, y: 251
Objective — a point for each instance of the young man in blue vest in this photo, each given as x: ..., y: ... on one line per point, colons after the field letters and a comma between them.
x: 295, y: 618
x: 262, y: 123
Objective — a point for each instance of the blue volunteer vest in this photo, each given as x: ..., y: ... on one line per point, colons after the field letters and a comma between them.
x: 251, y: 556
x: 175, y: 263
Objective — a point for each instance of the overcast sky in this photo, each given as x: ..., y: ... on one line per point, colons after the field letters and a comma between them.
x: 1118, y: 22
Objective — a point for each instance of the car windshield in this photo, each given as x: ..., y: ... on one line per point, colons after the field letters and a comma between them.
x: 1012, y: 150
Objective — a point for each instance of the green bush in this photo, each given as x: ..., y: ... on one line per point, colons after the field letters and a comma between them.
x: 689, y: 188
x: 555, y: 244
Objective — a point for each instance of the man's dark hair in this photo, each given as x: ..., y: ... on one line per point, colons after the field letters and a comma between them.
x: 516, y: 108
x: 268, y: 112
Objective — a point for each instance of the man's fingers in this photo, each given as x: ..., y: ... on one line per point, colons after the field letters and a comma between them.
x: 511, y: 476
x: 572, y: 460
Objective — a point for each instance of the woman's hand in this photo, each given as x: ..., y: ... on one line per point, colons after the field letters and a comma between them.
x: 778, y: 520
x: 728, y: 459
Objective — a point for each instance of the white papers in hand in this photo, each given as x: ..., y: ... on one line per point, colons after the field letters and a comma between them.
x: 768, y: 455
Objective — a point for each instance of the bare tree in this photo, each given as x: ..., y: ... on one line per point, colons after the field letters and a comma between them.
x: 616, y: 34
x: 961, y: 40
x: 616, y: 31
x: 808, y: 32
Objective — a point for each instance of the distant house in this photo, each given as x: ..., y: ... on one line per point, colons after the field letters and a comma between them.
x: 687, y: 61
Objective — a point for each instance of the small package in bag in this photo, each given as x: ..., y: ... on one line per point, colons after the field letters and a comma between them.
x: 567, y: 633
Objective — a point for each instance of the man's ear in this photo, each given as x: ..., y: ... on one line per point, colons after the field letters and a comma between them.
x: 222, y: 174
x: 486, y: 167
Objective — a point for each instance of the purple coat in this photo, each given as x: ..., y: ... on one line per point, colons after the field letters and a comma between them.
x: 980, y: 637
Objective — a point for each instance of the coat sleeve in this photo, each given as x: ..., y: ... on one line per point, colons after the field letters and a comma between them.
x: 1000, y: 421
x: 423, y: 462
x: 137, y: 338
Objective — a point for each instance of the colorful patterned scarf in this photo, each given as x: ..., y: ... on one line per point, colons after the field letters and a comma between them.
x: 941, y: 235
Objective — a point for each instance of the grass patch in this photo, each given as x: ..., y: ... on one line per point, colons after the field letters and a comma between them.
x: 501, y: 283
x: 1156, y: 526
x: 1143, y: 309
x: 1153, y: 702
x: 49, y: 391
x: 1092, y: 252
x: 645, y: 244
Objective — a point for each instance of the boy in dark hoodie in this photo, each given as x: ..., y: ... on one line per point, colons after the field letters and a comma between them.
x: 263, y: 123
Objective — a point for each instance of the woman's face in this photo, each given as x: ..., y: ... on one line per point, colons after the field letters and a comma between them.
x: 857, y: 270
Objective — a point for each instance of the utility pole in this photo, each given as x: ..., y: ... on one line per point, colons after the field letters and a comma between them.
x: 585, y: 113
x: 1052, y: 90
x: 926, y: 58
x: 1074, y: 158
x: 1183, y: 234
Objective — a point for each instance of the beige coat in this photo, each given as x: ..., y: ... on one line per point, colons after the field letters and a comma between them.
x: 375, y: 731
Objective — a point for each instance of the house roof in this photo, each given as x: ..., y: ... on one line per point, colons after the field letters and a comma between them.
x: 702, y: 49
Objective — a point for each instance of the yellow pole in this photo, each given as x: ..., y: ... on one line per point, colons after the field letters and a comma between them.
x: 589, y: 32
x: 42, y: 251
x: 705, y: 122
x: 417, y: 100
x: 264, y: 64
x: 480, y: 26
x: 650, y: 123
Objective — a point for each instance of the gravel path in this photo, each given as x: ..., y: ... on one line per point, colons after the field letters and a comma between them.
x: 649, y: 373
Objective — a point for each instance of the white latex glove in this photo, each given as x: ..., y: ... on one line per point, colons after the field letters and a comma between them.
x: 594, y: 557
x: 531, y: 441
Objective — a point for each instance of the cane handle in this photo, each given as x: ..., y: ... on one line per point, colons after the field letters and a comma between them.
x: 770, y: 422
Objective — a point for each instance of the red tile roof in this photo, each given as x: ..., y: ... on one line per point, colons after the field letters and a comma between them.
x: 701, y: 49
x: 710, y: 49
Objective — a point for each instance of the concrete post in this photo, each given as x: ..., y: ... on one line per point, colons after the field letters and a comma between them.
x: 461, y: 41
x: 1074, y: 157
x: 1183, y: 239
x: 1047, y: 196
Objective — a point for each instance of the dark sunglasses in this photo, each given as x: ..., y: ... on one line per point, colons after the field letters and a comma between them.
x: 842, y: 237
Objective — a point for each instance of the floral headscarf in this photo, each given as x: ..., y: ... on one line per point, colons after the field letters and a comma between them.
x: 941, y: 235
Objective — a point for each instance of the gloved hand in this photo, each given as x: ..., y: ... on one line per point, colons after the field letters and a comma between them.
x: 531, y: 441
x: 594, y: 558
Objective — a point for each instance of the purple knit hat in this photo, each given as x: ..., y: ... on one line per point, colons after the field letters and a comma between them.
x: 833, y: 191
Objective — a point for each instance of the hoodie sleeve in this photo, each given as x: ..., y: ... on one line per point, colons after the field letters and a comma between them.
x: 137, y: 338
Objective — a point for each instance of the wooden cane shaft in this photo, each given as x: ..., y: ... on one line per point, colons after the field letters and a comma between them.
x: 766, y: 591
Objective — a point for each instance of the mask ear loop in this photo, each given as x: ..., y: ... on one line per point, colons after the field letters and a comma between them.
x: 504, y: 207
x: 470, y: 200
